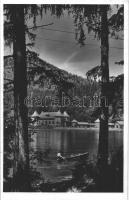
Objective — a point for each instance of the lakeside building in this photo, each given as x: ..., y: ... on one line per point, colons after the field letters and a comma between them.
x: 74, y: 123
x: 92, y: 125
x: 58, y: 119
x: 111, y: 125
x: 51, y: 119
x: 96, y: 124
x: 119, y: 124
x: 83, y: 124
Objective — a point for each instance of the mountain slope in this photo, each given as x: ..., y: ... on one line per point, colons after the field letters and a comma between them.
x: 46, y: 80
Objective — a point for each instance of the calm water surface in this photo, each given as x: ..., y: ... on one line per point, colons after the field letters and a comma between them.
x: 68, y: 142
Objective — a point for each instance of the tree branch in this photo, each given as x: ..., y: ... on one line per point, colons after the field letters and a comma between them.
x: 10, y: 90
x: 120, y: 62
x: 7, y: 79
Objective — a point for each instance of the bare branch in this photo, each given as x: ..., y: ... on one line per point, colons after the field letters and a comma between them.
x: 121, y: 62
x: 7, y: 79
x: 6, y: 84
x: 8, y: 56
x: 10, y: 90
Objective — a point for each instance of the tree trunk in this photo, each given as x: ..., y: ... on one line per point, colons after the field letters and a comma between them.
x: 21, y: 163
x: 103, y: 134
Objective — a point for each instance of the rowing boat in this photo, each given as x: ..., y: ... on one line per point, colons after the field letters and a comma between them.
x: 80, y: 156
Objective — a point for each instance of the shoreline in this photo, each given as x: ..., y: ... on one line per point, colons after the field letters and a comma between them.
x: 91, y: 128
x: 76, y: 128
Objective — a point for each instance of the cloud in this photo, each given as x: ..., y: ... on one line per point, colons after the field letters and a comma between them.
x: 69, y: 58
x: 61, y: 49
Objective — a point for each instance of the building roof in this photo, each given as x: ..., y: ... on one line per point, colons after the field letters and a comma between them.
x: 110, y: 123
x: 46, y: 114
x: 83, y: 123
x: 65, y: 114
x: 74, y: 121
x: 120, y: 122
x: 53, y: 114
x: 35, y: 114
x: 47, y: 117
x: 57, y: 114
x: 97, y: 120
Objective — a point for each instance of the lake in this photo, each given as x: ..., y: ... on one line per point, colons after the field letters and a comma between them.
x: 51, y: 141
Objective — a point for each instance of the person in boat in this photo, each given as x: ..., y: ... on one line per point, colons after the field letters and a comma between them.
x: 60, y: 157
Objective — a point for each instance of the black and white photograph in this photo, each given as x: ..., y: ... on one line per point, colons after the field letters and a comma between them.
x: 63, y: 98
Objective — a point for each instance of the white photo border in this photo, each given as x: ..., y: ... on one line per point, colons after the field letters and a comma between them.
x: 71, y: 196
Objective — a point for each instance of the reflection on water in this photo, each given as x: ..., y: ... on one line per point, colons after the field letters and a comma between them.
x: 50, y: 142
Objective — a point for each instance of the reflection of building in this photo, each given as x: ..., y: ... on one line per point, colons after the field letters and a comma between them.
x: 51, y: 119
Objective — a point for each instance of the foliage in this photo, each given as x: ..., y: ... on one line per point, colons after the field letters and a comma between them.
x: 8, y: 151
x: 116, y: 97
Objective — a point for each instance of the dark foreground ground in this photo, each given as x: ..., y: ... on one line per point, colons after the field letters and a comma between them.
x: 86, y: 177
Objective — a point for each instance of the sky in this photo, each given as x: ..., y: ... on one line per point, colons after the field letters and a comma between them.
x: 61, y: 49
